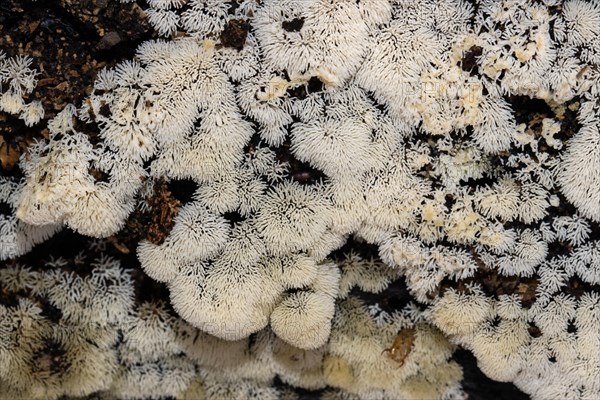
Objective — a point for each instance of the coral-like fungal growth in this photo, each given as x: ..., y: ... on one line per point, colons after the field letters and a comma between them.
x: 455, y: 145
x: 17, y: 79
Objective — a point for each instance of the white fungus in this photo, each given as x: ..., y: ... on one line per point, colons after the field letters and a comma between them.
x: 458, y: 140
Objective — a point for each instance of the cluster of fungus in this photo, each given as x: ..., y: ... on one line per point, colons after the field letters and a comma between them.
x: 459, y: 141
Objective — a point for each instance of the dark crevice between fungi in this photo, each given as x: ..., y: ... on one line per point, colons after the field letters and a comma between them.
x: 104, y: 110
x: 98, y: 175
x: 49, y: 311
x: 475, y: 183
x: 395, y: 297
x: 182, y: 189
x: 135, y: 229
x: 233, y: 6
x: 92, y: 131
x: 595, y: 231
x: 5, y: 209
x: 381, y: 106
x: 533, y: 330
x: 301, y: 172
x: 234, y: 218
x: 475, y: 10
x: 532, y: 113
x: 235, y: 33
x: 301, y: 92
x: 357, y: 246
x: 526, y: 107
x: 493, y: 283
x: 478, y: 386
x: 569, y: 123
x: 469, y: 61
x: 148, y: 290
x: 67, y: 244
x: 449, y: 201
x: 255, y: 141
x: 15, y: 138
x: 50, y: 358
x: 156, y: 223
x: 571, y: 328
x: 165, y: 203
x: 294, y: 25
x: 9, y: 298
x: 577, y: 287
